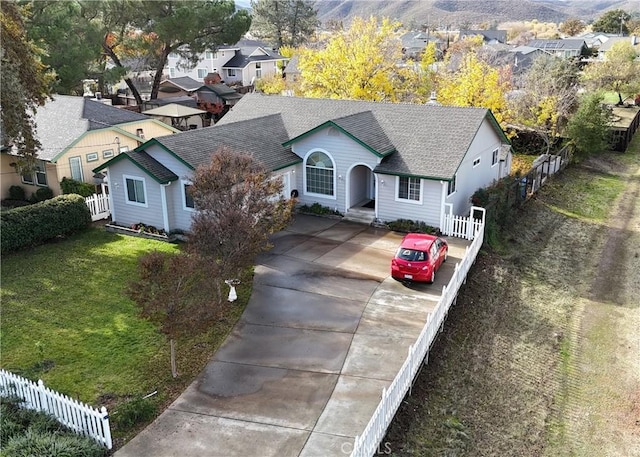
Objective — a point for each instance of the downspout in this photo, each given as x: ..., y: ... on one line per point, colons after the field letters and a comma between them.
x: 165, y: 212
x: 112, y: 208
x: 443, y: 196
x: 377, y: 192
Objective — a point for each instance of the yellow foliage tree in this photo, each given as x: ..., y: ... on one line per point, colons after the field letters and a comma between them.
x: 359, y: 63
x: 475, y: 83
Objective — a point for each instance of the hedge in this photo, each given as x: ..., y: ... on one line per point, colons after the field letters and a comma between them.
x: 34, y: 224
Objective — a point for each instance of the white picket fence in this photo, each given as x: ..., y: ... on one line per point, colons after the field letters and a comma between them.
x: 99, y: 206
x: 367, y: 443
x: 461, y: 226
x: 77, y: 416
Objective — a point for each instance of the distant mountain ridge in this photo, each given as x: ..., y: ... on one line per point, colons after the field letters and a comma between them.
x: 472, y: 12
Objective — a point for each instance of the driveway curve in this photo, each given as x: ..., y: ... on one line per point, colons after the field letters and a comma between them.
x: 325, y: 330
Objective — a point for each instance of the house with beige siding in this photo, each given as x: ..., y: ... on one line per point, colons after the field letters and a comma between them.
x: 76, y: 135
x: 390, y: 161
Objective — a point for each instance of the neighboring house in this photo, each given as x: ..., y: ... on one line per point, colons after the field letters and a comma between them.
x: 595, y: 40
x: 414, y: 43
x: 488, y: 36
x: 241, y: 63
x: 606, y: 46
x: 178, y: 87
x: 76, y: 135
x: 401, y: 160
x: 565, y: 49
x: 216, y: 99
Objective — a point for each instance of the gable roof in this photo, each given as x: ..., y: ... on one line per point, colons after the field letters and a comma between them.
x: 260, y: 137
x: 101, y: 115
x: 487, y: 35
x: 146, y: 163
x: 430, y: 140
x: 361, y: 127
x: 185, y: 83
x: 242, y: 59
x: 553, y: 45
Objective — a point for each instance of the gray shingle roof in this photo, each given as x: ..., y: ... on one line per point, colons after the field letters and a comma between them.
x: 184, y: 82
x: 241, y: 60
x: 551, y: 45
x: 261, y: 137
x: 58, y: 123
x: 100, y: 115
x: 365, y: 128
x: 430, y: 141
x: 158, y: 171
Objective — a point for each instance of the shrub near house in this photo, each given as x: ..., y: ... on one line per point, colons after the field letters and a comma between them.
x: 35, y: 224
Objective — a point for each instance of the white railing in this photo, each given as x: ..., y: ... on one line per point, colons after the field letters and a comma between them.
x: 99, y: 206
x: 77, y: 416
x: 461, y: 226
x: 367, y: 443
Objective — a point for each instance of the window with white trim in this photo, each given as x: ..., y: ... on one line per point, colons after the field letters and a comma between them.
x: 451, y: 188
x: 494, y: 157
x: 107, y: 153
x: 408, y: 188
x: 202, y: 72
x: 258, y: 70
x: 124, y: 148
x: 172, y: 72
x: 231, y: 72
x: 476, y: 162
x: 75, y: 163
x: 92, y: 156
x: 320, y: 174
x: 135, y: 189
x: 208, y: 55
x: 188, y: 203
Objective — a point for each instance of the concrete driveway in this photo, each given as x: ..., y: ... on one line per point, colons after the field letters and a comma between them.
x: 325, y: 330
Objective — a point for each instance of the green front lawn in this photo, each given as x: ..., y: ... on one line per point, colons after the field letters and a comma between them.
x: 66, y: 320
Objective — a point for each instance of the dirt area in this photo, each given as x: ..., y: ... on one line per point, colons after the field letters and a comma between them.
x: 541, y: 354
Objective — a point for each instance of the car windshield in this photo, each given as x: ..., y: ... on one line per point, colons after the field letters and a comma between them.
x: 411, y: 255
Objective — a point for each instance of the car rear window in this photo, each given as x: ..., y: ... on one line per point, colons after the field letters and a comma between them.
x: 411, y: 255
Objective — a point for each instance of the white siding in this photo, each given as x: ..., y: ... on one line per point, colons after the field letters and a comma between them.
x: 127, y: 214
x: 344, y: 152
x: 470, y: 178
x: 389, y: 209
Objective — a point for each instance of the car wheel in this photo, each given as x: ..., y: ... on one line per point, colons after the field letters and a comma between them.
x: 446, y: 254
x: 433, y: 276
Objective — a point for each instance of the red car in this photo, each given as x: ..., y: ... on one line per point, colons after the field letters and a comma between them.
x: 419, y: 257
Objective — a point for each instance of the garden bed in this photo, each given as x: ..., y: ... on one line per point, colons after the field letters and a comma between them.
x: 139, y: 232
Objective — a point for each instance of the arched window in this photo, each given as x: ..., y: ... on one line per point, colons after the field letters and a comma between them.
x: 320, y: 174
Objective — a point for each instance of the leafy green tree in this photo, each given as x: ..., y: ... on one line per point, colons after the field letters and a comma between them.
x: 70, y: 40
x: 359, y: 63
x: 238, y: 207
x: 155, y: 28
x: 546, y: 98
x: 613, y: 21
x: 25, y: 85
x: 284, y: 22
x: 572, y: 26
x: 619, y: 72
x: 589, y: 127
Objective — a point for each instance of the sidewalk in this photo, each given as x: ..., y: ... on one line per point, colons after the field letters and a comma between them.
x: 324, y: 332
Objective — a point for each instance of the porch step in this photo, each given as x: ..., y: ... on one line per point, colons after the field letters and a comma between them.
x: 360, y: 215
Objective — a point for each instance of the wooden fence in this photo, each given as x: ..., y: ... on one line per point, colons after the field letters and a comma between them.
x: 77, y: 416
x: 99, y: 206
x: 367, y: 443
x: 545, y: 166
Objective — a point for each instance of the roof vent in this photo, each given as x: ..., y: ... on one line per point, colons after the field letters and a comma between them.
x: 433, y: 100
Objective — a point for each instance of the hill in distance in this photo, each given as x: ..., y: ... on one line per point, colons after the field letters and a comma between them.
x: 469, y: 12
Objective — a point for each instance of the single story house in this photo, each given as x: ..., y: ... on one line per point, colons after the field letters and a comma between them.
x: 397, y: 161
x: 566, y: 49
x: 76, y: 135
